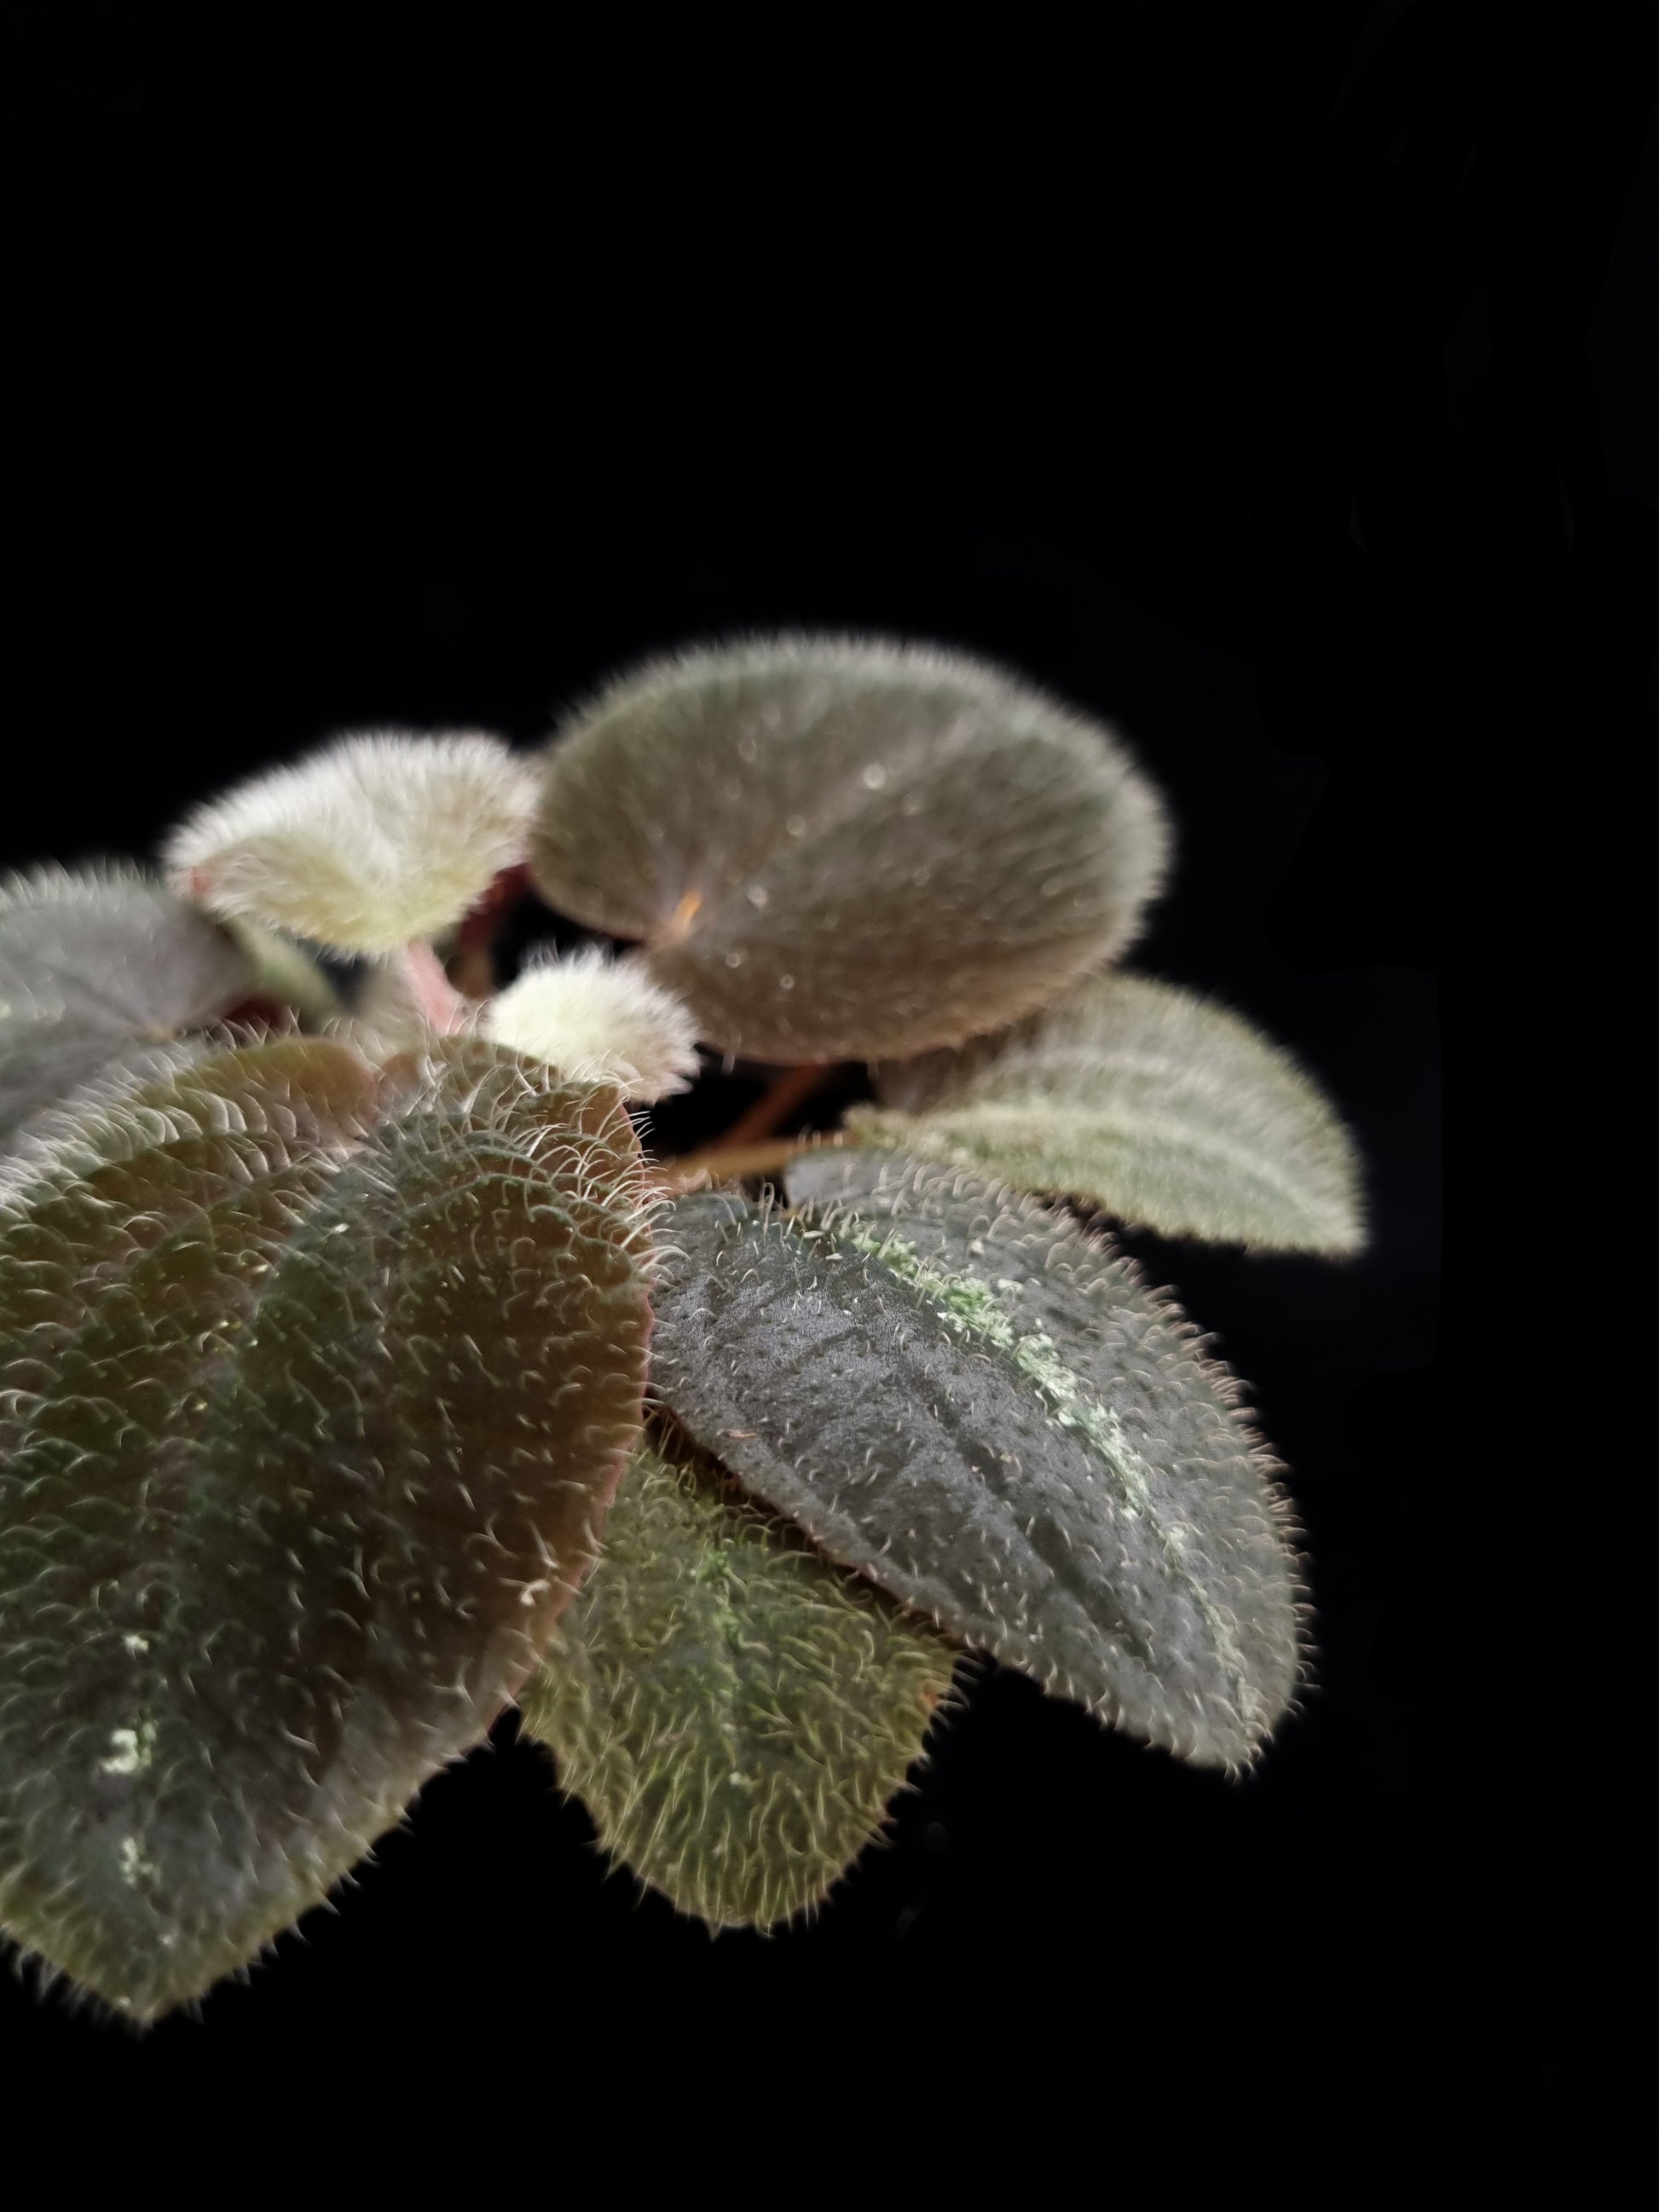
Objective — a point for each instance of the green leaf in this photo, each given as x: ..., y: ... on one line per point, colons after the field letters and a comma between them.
x: 286, y: 971
x: 97, y: 965
x: 109, y: 943
x: 970, y: 1400
x: 368, y: 842
x: 1158, y: 1108
x: 313, y: 1390
x: 736, y: 1713
x: 45, y: 1060
x: 838, y: 848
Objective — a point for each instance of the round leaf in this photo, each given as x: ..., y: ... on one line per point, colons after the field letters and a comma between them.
x: 835, y: 848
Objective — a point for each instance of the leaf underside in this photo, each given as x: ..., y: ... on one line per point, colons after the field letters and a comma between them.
x: 971, y: 1401
x: 315, y: 1389
x: 1156, y: 1107
x: 97, y: 965
x: 839, y: 849
x: 735, y: 1713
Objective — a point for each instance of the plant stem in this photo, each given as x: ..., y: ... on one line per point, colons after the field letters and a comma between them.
x: 472, y: 969
x: 725, y: 1163
x: 782, y: 1097
x: 738, y: 1151
x: 433, y: 993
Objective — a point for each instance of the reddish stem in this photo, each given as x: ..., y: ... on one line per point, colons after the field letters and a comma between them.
x: 436, y: 997
x: 470, y: 968
x: 786, y: 1094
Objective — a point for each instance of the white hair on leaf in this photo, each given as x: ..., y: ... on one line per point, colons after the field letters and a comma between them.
x: 373, y: 840
x: 600, y: 1020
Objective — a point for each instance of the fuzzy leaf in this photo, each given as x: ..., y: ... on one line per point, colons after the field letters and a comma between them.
x: 835, y: 848
x: 48, y: 1059
x: 368, y: 843
x: 599, y: 1019
x: 97, y: 963
x: 108, y: 943
x: 313, y: 1388
x: 735, y: 1713
x: 972, y: 1402
x: 1158, y: 1107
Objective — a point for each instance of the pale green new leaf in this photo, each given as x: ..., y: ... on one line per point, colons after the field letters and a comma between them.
x: 1158, y: 1108
x: 736, y: 1713
x: 839, y: 848
x: 314, y: 1387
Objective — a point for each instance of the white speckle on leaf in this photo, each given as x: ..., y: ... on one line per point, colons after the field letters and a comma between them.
x: 133, y: 1861
x: 131, y: 1750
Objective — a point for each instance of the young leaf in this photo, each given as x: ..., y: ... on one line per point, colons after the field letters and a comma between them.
x: 96, y: 965
x: 1158, y: 1108
x: 286, y: 972
x: 735, y: 1713
x: 837, y: 848
x: 971, y: 1401
x: 599, y: 1020
x: 371, y: 842
x: 313, y: 1389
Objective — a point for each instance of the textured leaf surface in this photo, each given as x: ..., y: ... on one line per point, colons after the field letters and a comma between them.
x: 315, y: 1391
x: 373, y: 840
x: 44, y: 1058
x: 735, y: 1713
x: 110, y: 943
x: 841, y: 849
x: 95, y: 963
x: 976, y: 1404
x: 1154, y: 1105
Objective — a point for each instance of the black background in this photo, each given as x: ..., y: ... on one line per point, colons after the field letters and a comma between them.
x: 1274, y: 383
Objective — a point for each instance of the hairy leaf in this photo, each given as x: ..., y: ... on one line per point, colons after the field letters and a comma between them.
x: 96, y: 965
x: 1158, y: 1107
x: 976, y: 1404
x: 735, y: 1713
x: 109, y: 943
x: 601, y: 1019
x: 313, y: 1389
x: 48, y: 1059
x: 372, y: 841
x: 835, y: 848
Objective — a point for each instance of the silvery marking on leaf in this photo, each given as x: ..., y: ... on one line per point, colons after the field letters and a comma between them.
x: 843, y: 847
x: 315, y: 1383
x: 975, y: 1403
x: 1158, y: 1107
